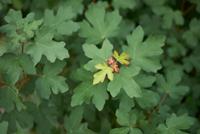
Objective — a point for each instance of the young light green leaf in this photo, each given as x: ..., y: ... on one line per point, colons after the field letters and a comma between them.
x: 123, y: 58
x: 100, y: 76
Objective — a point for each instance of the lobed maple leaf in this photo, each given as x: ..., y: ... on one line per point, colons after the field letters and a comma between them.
x: 101, y: 75
x: 122, y: 58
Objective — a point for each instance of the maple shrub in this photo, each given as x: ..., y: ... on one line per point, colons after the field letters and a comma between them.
x: 99, y: 67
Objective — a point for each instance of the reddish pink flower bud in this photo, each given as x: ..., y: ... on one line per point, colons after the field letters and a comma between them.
x: 111, y: 61
x: 115, y: 67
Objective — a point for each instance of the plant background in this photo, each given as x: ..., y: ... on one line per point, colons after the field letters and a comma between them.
x: 46, y: 86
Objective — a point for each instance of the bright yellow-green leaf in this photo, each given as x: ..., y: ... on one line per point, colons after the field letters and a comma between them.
x: 101, y: 75
x: 122, y: 58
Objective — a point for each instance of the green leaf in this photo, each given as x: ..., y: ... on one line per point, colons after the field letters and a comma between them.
x: 97, y: 56
x: 193, y: 61
x: 176, y: 48
x: 18, y: 119
x: 20, y: 130
x: 12, y: 66
x: 86, y: 91
x: 44, y: 45
x: 191, y: 36
x: 27, y: 64
x: 81, y: 75
x: 19, y: 29
x: 145, y: 54
x: 122, y: 130
x: 97, y: 90
x: 170, y: 84
x: 169, y: 16
x: 45, y: 116
x: 154, y: 3
x: 73, y: 123
x: 176, y: 124
x: 135, y: 131
x: 148, y: 99
x: 125, y: 130
x: 3, y: 127
x: 48, y: 84
x: 60, y: 23
x: 197, y: 4
x: 99, y: 24
x: 3, y: 47
x: 145, y: 80
x: 74, y: 120
x: 77, y: 5
x: 50, y: 81
x: 124, y: 80
x: 4, y: 4
x: 126, y: 117
x: 129, y: 4
x: 123, y: 113
x: 9, y: 99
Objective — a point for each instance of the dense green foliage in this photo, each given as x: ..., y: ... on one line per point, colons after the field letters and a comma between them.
x: 99, y: 67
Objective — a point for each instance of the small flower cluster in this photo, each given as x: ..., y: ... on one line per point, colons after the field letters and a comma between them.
x: 117, y: 59
x: 112, y: 66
